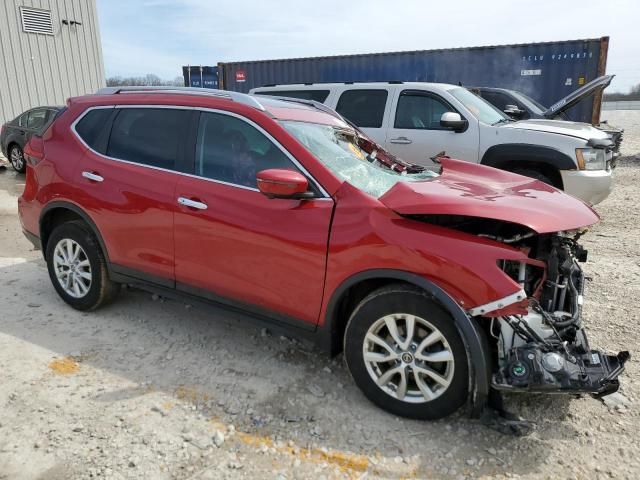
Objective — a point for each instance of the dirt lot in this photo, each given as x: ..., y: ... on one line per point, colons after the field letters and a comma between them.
x: 630, y: 121
x: 147, y: 388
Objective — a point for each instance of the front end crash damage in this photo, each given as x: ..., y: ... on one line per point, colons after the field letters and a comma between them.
x: 541, y: 343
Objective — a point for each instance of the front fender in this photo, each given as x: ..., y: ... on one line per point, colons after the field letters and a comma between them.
x: 503, y: 154
x: 478, y: 354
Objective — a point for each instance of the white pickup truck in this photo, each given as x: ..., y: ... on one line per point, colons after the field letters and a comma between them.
x: 418, y: 121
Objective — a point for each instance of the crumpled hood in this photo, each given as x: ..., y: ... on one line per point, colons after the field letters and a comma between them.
x: 474, y: 190
x: 560, y: 127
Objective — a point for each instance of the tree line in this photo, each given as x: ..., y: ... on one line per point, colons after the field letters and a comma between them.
x: 634, y: 94
x: 148, y: 80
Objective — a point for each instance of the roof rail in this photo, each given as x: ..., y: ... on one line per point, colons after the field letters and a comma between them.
x: 242, y: 98
x: 356, y: 82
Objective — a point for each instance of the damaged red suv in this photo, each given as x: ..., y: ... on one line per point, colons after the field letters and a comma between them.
x: 439, y: 287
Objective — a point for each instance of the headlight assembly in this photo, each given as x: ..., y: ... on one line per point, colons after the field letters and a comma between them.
x: 591, y: 158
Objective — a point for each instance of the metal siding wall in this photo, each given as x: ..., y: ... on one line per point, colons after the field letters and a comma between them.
x: 47, y: 69
x: 8, y: 82
x: 498, y: 66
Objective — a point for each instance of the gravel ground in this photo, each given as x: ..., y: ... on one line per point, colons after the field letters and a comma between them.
x: 147, y: 388
x: 630, y: 121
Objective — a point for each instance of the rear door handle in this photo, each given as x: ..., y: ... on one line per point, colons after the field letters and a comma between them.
x: 187, y: 202
x: 92, y: 176
x: 401, y: 140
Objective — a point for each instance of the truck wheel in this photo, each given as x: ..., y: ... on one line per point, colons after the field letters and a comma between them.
x: 405, y: 354
x: 529, y: 172
x: 77, y: 267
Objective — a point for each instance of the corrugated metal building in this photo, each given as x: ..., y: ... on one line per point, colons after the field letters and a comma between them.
x: 50, y: 51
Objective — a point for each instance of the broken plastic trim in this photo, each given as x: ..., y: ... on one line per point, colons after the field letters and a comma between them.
x: 498, y: 304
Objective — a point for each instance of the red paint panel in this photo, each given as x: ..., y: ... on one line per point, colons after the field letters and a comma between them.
x: 247, y: 247
x: 133, y: 209
x: 476, y: 190
x: 365, y: 236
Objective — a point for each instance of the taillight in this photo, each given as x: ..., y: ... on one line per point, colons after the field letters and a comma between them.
x: 34, y: 151
x: 3, y: 128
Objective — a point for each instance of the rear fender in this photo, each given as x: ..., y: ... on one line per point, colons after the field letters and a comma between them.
x: 75, y: 209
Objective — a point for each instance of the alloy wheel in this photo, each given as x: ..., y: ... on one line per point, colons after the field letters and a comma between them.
x: 72, y: 268
x: 16, y: 158
x: 408, y: 358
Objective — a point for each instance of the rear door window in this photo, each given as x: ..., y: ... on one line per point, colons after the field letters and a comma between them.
x: 317, y: 95
x: 91, y: 128
x: 365, y: 108
x: 149, y: 136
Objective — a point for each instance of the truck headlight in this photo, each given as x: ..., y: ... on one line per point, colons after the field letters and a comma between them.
x: 591, y: 158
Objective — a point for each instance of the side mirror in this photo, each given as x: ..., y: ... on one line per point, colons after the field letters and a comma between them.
x: 277, y: 183
x: 514, y: 111
x: 453, y: 121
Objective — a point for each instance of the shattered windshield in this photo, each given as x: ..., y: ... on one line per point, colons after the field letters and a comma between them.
x: 354, y: 159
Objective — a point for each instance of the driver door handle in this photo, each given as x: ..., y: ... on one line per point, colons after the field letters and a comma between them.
x: 401, y: 141
x: 187, y: 202
x: 94, y: 177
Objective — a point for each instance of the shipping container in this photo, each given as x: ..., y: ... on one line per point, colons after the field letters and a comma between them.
x: 545, y: 71
x: 200, y: 76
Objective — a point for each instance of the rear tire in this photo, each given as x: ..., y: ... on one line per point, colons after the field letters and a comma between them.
x: 16, y: 158
x: 77, y: 267
x: 406, y: 355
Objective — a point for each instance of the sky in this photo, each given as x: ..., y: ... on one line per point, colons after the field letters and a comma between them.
x: 159, y: 36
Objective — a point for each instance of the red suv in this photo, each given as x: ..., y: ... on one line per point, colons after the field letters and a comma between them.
x: 437, y: 286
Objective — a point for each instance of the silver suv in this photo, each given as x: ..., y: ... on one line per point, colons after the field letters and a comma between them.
x: 419, y: 121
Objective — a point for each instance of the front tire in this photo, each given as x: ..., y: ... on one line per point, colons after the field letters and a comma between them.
x: 77, y: 267
x: 406, y: 355
x: 16, y: 157
x: 538, y: 175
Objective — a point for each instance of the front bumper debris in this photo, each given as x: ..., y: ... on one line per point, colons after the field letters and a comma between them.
x: 536, y: 369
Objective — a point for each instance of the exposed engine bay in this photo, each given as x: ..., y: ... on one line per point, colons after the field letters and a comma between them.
x: 545, y: 350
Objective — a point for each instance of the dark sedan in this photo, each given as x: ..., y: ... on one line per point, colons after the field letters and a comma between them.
x: 16, y: 133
